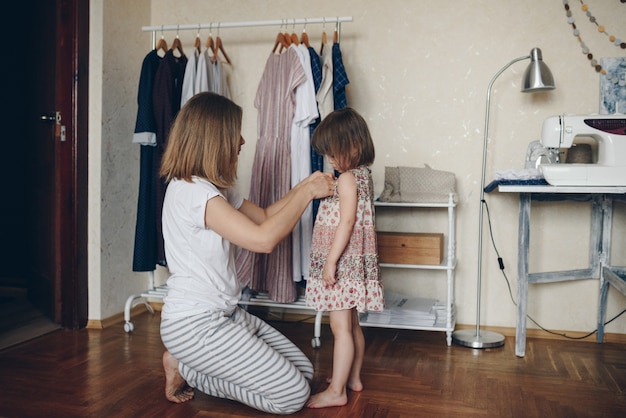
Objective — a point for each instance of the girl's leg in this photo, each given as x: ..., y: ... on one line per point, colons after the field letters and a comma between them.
x: 343, y: 356
x: 241, y: 358
x: 354, y: 382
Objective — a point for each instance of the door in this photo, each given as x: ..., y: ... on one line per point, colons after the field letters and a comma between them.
x: 48, y: 148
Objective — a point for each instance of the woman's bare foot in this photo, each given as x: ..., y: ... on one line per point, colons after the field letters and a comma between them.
x: 355, y: 385
x: 176, y: 389
x: 326, y: 399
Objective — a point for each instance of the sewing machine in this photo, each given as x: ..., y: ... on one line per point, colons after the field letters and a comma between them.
x: 609, y: 134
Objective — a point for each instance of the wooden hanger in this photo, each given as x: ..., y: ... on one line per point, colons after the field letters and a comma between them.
x: 294, y: 39
x: 161, y: 45
x: 324, y: 40
x: 177, y: 46
x: 294, y: 36
x: 304, y: 39
x: 280, y: 40
x: 198, y: 43
x: 219, y: 46
x: 210, y: 45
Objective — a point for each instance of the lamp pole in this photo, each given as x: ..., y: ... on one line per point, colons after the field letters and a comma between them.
x: 536, y: 78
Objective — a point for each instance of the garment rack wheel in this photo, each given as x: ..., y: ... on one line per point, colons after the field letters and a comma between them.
x: 316, y: 342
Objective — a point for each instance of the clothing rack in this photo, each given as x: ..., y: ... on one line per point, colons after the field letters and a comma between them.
x: 247, y: 24
x: 159, y: 292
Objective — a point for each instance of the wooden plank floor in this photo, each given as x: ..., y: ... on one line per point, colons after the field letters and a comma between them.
x: 108, y: 373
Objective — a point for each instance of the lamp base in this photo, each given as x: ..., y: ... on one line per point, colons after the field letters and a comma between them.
x: 484, y: 339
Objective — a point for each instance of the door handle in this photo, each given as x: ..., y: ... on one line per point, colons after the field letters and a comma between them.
x: 55, y: 117
x: 59, y: 132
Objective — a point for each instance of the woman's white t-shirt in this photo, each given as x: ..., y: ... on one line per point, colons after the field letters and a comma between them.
x: 201, y: 262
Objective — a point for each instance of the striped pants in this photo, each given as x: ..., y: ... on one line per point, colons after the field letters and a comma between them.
x: 239, y: 357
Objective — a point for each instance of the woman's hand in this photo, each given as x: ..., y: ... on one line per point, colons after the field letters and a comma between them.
x: 320, y: 184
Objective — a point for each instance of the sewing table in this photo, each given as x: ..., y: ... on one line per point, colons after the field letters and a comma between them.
x: 601, y: 199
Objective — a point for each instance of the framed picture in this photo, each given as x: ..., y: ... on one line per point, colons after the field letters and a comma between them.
x: 613, y: 86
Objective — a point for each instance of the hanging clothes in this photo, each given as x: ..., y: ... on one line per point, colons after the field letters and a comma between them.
x: 166, y: 97
x: 221, y: 77
x: 305, y: 113
x: 213, y: 75
x: 271, y: 172
x: 340, y: 79
x: 145, y: 124
x: 317, y: 160
x: 325, y: 101
x: 144, y: 252
x: 204, y: 75
x: 189, y: 78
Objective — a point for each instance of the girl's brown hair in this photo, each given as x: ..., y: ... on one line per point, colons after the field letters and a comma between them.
x: 204, y: 141
x: 344, y: 136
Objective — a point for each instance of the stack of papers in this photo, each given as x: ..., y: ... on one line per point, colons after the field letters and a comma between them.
x: 405, y: 310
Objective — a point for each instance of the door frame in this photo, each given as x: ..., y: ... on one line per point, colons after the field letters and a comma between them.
x: 71, y: 206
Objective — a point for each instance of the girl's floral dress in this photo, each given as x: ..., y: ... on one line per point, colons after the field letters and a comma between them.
x: 358, y: 282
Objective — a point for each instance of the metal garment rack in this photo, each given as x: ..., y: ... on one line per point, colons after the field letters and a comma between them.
x: 159, y: 292
x: 337, y: 20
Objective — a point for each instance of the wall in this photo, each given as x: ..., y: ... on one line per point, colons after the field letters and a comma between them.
x: 116, y: 53
x: 418, y: 73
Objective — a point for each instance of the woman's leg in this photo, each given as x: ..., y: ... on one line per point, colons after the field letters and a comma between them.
x: 343, y: 357
x: 242, y: 358
x: 176, y: 388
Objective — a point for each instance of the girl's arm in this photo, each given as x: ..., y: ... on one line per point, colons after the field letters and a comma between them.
x: 260, y: 230
x: 346, y: 188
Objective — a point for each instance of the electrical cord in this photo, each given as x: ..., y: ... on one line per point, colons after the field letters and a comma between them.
x: 501, y: 265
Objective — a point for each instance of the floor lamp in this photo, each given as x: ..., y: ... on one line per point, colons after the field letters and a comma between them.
x: 536, y: 78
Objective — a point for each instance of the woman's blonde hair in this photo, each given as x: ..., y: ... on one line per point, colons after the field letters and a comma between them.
x: 344, y: 136
x: 204, y: 141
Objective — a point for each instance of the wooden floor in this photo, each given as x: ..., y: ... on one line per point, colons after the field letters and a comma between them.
x: 19, y: 320
x: 109, y: 373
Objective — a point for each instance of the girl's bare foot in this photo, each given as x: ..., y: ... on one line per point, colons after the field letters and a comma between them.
x: 326, y: 399
x: 354, y: 385
x: 176, y: 389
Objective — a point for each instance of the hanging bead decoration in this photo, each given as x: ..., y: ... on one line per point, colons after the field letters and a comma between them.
x: 594, y: 63
x: 601, y: 28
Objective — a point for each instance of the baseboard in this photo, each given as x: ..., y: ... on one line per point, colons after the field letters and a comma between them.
x: 118, y: 319
x: 554, y: 334
x: 291, y: 315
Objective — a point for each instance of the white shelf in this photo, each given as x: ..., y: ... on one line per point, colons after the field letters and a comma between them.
x: 416, y: 205
x: 262, y: 299
x: 445, y: 319
x: 445, y: 309
x: 439, y: 325
x: 444, y: 266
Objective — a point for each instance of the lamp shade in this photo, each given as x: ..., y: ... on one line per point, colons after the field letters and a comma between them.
x: 537, y: 76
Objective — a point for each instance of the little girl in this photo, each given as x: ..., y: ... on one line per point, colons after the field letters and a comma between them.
x: 344, y: 275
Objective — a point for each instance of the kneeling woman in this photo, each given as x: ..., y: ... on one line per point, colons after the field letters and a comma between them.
x: 212, y: 344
